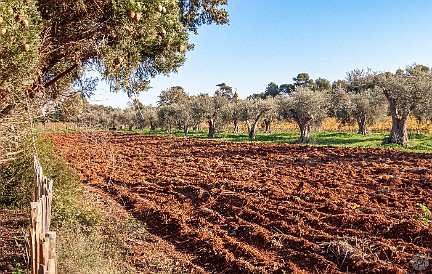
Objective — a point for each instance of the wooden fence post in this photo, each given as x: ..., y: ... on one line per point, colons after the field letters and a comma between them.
x: 42, y: 241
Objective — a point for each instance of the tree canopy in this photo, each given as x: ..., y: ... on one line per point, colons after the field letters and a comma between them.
x: 52, y: 43
x: 408, y: 92
x: 303, y: 80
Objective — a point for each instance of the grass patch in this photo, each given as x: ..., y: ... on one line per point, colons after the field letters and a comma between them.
x: 418, y: 142
x: 88, y: 240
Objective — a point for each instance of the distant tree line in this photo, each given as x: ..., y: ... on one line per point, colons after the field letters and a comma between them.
x: 363, y: 98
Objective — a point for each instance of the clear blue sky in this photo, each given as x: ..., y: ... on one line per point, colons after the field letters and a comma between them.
x: 274, y: 40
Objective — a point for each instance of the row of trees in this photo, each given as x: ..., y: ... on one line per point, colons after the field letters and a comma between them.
x: 364, y: 98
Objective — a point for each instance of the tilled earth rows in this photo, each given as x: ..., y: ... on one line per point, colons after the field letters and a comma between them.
x: 266, y: 208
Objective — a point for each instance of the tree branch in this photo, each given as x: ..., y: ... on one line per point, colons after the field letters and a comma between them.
x: 61, y: 75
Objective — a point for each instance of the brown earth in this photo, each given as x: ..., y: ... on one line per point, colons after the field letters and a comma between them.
x: 265, y: 208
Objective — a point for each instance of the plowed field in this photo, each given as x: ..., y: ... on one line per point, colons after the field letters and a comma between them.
x: 266, y: 208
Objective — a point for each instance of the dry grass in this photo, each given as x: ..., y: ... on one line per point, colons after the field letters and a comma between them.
x: 91, y: 238
x: 350, y: 249
x: 332, y: 125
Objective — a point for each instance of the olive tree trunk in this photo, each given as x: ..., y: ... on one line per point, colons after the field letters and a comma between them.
x: 362, y: 126
x: 304, y: 133
x: 252, y: 129
x: 186, y: 130
x: 152, y: 126
x: 267, y: 125
x: 398, y: 133
x: 236, y: 126
x: 305, y: 129
x: 212, y: 128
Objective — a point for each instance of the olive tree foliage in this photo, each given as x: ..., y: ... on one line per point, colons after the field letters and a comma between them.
x: 231, y: 113
x: 358, y: 101
x: 358, y: 80
x: 253, y: 110
x: 211, y: 109
x: 339, y: 84
x: 424, y: 111
x: 175, y: 109
x: 407, y: 92
x: 306, y: 107
x: 20, y: 26
x: 179, y: 115
x: 49, y: 44
x: 145, y: 116
x: 128, y: 41
x: 70, y: 109
x: 364, y: 108
x: 172, y: 96
x: 272, y: 90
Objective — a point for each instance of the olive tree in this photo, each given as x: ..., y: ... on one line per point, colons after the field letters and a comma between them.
x: 183, y: 115
x: 270, y: 115
x: 407, y: 91
x: 47, y: 45
x: 235, y: 110
x: 146, y: 116
x: 175, y: 109
x: 357, y: 101
x: 231, y: 112
x: 211, y: 109
x: 306, y: 107
x: 166, y: 117
x: 172, y: 96
x: 365, y: 107
x: 253, y: 110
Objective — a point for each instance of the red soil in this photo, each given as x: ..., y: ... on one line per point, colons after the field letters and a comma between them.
x: 266, y: 208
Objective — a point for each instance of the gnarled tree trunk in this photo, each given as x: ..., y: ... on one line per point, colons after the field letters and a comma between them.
x: 304, y: 133
x: 362, y: 126
x: 251, y: 129
x: 398, y: 133
x: 304, y: 130
x: 236, y: 127
x: 186, y: 130
x: 212, y: 128
x: 267, y: 125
